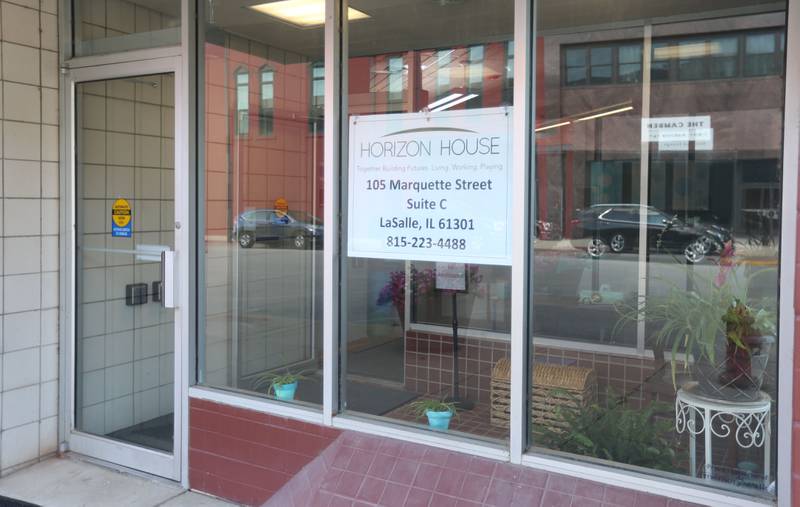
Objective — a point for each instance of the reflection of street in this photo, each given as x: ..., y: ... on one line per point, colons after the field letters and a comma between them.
x: 747, y: 252
x: 574, y: 294
x: 273, y: 298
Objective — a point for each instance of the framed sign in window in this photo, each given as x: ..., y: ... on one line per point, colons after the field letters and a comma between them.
x: 431, y: 186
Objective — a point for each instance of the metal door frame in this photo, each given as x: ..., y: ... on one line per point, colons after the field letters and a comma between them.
x: 167, y: 465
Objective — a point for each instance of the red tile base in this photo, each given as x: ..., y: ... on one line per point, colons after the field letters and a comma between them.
x: 254, y: 459
x: 247, y: 456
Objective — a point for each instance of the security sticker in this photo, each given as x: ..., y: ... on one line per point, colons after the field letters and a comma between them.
x: 121, y: 219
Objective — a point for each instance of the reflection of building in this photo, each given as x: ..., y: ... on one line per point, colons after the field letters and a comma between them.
x: 273, y: 105
x: 731, y: 72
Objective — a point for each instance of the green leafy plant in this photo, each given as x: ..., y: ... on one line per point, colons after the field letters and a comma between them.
x: 270, y: 380
x: 420, y: 407
x: 612, y: 431
x: 742, y: 321
x: 694, y: 321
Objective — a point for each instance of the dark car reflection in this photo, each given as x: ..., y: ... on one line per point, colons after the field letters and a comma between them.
x: 603, y: 228
x: 295, y: 229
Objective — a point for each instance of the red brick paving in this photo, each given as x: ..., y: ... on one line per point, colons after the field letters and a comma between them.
x: 359, y: 470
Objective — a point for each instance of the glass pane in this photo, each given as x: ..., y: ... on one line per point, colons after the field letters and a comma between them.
x: 411, y: 223
x: 655, y: 288
x: 576, y: 75
x: 601, y: 74
x: 261, y: 240
x: 630, y: 73
x: 662, y: 61
x: 124, y: 380
x: 575, y: 57
x: 692, y: 56
x: 109, y: 26
x: 630, y: 54
x: 723, y: 67
x: 601, y: 56
x: 760, y: 57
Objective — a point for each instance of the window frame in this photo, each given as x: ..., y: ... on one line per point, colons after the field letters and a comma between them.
x: 525, y: 54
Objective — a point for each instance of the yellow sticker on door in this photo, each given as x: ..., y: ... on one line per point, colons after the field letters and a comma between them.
x: 121, y: 218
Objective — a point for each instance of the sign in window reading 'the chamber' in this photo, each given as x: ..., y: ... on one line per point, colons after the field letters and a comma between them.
x: 431, y: 187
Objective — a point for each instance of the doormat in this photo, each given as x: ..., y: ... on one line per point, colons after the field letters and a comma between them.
x: 12, y: 502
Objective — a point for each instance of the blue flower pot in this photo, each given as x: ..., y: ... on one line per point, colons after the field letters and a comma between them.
x: 439, y: 420
x: 285, y: 391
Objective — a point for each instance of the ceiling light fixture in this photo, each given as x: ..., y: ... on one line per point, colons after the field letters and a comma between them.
x: 302, y: 13
x: 455, y: 102
x: 554, y: 125
x: 437, y: 103
x: 605, y: 113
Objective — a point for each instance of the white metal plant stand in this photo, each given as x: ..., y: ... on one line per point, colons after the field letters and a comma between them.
x: 748, y: 421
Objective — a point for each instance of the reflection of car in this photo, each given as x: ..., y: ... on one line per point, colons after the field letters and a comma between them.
x: 615, y: 227
x: 295, y: 228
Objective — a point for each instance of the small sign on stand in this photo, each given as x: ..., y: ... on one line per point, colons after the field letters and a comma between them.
x: 452, y: 278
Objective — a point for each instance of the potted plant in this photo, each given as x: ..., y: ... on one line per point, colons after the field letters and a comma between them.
x: 613, y: 431
x: 716, y: 326
x: 282, y: 385
x: 438, y: 412
x: 750, y: 335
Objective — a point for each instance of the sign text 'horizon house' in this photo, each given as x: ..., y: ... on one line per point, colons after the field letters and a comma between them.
x: 431, y: 187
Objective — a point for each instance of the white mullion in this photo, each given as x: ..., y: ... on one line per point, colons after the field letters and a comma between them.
x: 644, y: 190
x: 331, y: 160
x: 788, y: 255
x: 523, y: 86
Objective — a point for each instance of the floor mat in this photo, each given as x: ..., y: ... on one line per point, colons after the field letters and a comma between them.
x: 383, y: 361
x: 364, y: 397
x: 155, y: 433
x: 12, y: 502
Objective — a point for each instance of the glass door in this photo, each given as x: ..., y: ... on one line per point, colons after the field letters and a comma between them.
x: 124, y: 398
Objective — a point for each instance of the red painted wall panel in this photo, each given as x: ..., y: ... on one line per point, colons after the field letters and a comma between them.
x: 247, y: 456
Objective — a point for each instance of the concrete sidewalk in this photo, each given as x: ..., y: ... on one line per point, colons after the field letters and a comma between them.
x: 73, y: 482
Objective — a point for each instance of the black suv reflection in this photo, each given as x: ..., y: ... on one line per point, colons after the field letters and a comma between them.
x: 615, y: 227
x: 296, y: 229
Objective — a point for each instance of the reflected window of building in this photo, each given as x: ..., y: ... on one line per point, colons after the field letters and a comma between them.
x: 442, y: 69
x: 508, y: 81
x: 761, y: 55
x: 601, y: 68
x: 395, y: 78
x: 629, y: 63
x: 317, y: 112
x: 475, y: 75
x: 267, y: 112
x: 242, y: 102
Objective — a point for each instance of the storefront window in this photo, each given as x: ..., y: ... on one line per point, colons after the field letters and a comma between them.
x: 655, y: 282
x: 427, y: 244
x: 108, y: 26
x: 261, y: 238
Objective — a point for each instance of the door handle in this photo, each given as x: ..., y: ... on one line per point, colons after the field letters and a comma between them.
x: 167, y: 287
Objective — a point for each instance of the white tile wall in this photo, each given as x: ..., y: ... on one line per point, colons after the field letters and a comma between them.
x: 29, y: 257
x: 127, y: 146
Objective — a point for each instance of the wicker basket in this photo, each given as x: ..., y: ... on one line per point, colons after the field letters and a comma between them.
x: 554, y: 386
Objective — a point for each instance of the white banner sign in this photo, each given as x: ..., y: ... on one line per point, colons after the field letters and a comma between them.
x: 677, y: 129
x: 451, y: 276
x: 431, y: 187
